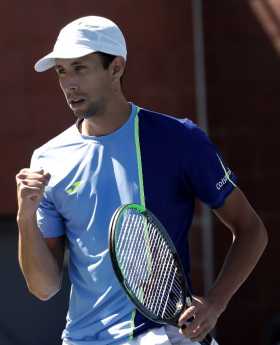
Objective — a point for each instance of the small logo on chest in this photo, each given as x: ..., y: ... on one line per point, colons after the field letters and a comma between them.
x: 74, y: 188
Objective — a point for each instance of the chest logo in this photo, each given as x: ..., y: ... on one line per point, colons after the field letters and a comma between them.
x: 74, y: 188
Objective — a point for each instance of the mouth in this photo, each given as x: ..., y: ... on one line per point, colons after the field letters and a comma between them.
x: 77, y: 102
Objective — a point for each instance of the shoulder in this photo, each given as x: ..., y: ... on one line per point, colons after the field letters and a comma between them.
x: 69, y: 137
x: 63, y: 148
x: 170, y: 126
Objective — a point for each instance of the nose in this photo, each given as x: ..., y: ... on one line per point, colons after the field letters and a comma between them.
x: 73, y: 87
x: 69, y: 84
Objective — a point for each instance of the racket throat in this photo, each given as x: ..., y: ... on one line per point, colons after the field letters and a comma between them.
x: 188, y: 301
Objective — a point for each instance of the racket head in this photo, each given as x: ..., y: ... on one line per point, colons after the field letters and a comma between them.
x: 147, y: 265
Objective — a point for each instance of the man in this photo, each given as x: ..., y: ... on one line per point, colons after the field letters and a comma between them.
x: 80, y: 177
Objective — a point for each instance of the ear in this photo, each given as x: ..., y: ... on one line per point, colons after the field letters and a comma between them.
x: 117, y: 67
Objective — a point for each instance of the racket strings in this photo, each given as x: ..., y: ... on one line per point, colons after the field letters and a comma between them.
x: 166, y: 285
x: 158, y: 278
x: 165, y: 268
x: 148, y: 265
x: 162, y: 266
x: 127, y: 245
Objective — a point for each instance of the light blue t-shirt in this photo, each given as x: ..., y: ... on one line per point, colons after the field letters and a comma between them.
x: 88, y: 182
x: 92, y: 176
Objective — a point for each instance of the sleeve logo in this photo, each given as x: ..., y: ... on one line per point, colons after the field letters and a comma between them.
x: 226, y: 178
x: 223, y: 181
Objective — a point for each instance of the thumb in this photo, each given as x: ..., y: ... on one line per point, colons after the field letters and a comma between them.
x: 187, y: 316
x: 40, y: 171
x: 47, y: 175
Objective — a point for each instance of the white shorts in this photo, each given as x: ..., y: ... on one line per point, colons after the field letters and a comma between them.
x: 165, y: 335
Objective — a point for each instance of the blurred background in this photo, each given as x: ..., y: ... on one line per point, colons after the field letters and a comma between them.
x: 216, y: 62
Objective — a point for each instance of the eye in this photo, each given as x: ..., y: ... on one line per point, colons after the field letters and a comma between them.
x: 60, y: 71
x: 79, y: 68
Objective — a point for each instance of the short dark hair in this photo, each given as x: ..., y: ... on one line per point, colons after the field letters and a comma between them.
x: 106, y: 60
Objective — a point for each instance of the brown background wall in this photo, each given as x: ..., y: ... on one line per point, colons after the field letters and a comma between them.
x: 34, y: 109
x: 242, y: 69
x: 243, y: 74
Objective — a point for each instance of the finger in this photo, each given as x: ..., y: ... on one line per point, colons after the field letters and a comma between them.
x: 26, y: 184
x: 199, y: 334
x: 197, y: 321
x: 184, y: 330
x: 26, y: 188
x: 47, y: 175
x: 33, y: 183
x: 28, y: 171
x: 29, y: 192
x: 202, y: 331
x: 185, y: 321
x: 187, y: 316
x: 33, y: 176
x: 188, y: 330
x: 191, y: 334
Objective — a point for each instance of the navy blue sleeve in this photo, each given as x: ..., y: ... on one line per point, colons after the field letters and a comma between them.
x: 205, y: 171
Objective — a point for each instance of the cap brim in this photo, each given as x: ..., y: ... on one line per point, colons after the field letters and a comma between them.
x: 48, y: 61
x: 45, y: 63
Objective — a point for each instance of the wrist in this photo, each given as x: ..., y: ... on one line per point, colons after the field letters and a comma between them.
x: 218, y: 300
x: 24, y: 217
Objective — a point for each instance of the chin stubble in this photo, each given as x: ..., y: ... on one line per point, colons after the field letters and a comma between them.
x: 92, y: 110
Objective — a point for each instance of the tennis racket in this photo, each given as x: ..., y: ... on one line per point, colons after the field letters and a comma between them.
x: 148, y: 267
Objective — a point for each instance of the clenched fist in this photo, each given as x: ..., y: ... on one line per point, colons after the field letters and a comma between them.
x: 30, y: 188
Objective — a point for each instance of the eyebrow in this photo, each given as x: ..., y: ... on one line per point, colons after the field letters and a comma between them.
x: 74, y: 63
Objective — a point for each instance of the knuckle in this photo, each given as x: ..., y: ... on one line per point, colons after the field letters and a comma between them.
x: 24, y: 171
x: 19, y: 176
x: 23, y: 189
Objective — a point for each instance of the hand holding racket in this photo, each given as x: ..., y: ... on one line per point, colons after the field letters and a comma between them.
x: 147, y: 265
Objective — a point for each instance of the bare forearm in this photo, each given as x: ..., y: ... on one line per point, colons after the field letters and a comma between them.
x: 241, y: 259
x: 39, y: 266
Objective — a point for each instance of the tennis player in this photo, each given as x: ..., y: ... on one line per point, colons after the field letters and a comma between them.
x: 77, y: 180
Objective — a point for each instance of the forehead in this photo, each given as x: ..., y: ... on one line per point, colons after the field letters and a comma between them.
x: 88, y: 59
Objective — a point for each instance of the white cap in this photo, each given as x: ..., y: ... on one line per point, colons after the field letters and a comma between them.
x: 84, y: 36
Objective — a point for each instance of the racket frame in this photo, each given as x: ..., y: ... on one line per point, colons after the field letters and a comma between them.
x: 187, y: 297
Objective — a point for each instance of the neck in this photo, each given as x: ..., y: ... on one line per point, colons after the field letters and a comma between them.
x: 113, y: 116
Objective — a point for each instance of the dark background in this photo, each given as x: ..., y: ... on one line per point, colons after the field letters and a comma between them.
x: 241, y: 60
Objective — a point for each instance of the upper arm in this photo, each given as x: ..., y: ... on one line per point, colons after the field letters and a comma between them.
x: 209, y: 177
x: 237, y: 213
x: 56, y: 246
